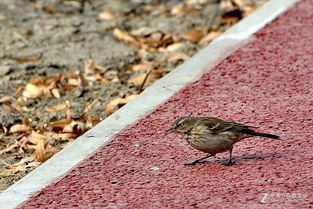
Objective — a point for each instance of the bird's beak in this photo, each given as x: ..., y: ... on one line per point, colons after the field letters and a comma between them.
x: 169, y: 130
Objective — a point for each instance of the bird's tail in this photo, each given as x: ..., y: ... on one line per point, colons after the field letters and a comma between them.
x: 266, y: 135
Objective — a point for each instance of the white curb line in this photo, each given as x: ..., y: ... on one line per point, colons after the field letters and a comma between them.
x: 158, y: 93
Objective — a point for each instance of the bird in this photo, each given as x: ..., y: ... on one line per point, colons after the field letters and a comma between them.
x: 213, y: 135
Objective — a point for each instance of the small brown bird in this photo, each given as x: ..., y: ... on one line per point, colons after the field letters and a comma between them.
x: 213, y: 135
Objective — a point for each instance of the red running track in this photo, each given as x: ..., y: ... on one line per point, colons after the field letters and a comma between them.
x: 267, y: 83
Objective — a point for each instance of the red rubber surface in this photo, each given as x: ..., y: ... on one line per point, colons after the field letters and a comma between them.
x: 267, y: 83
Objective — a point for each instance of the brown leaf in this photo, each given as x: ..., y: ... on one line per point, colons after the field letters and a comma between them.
x: 137, y: 79
x: 153, y: 75
x: 209, y: 37
x: 191, y: 2
x: 43, y: 151
x: 194, y: 35
x: 62, y: 136
x: 68, y: 110
x: 125, y: 37
x: 55, y: 107
x: 9, y: 147
x: 88, y: 68
x: 174, y: 47
x: 177, y: 57
x: 156, y: 40
x: 75, y: 127
x: 91, y: 122
x: 56, y: 93
x: 117, y: 103
x: 181, y: 9
x: 32, y: 91
x: 74, y: 81
x: 6, y: 99
x: 58, y: 126
x: 144, y: 31
x: 28, y: 59
x: 152, y: 8
x: 3, y: 143
x: 100, y: 68
x: 107, y: 16
x: 17, y: 128
x: 67, y: 87
x: 142, y: 66
x: 28, y: 143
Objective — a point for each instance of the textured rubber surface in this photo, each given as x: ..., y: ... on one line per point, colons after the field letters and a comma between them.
x: 266, y: 83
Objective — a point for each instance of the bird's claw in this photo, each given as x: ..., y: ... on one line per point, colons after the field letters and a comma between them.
x: 229, y: 163
x: 193, y: 163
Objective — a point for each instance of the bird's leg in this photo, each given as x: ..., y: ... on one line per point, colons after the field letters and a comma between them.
x: 230, y: 162
x: 199, y: 160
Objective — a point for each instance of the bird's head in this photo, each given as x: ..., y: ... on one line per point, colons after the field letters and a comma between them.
x: 182, y: 125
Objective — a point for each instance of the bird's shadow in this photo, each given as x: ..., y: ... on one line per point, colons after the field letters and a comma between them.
x: 258, y: 157
x: 244, y: 158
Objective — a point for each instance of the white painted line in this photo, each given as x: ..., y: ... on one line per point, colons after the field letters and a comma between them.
x: 158, y: 93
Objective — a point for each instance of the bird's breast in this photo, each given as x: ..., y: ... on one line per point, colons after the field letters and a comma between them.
x: 211, y: 143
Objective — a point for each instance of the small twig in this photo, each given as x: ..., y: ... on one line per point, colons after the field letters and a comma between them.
x: 144, y: 81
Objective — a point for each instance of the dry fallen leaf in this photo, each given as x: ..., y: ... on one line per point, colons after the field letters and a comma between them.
x: 194, y: 35
x: 9, y: 147
x: 32, y: 91
x: 91, y: 122
x: 58, y: 126
x: 209, y: 37
x: 125, y: 37
x: 75, y: 127
x: 181, y: 9
x: 37, y: 143
x: 89, y: 67
x: 3, y: 143
x: 62, y: 136
x: 144, y: 31
x: 68, y: 110
x: 29, y: 59
x: 55, y: 107
x: 142, y: 67
x: 75, y: 81
x: 191, y: 2
x: 154, y: 9
x: 28, y: 143
x: 117, y: 103
x: 40, y: 86
x: 177, y: 57
x: 6, y: 99
x: 17, y: 128
x: 175, y: 46
x: 107, y: 16
x: 156, y: 40
x: 137, y: 79
x: 43, y: 151
x: 56, y: 93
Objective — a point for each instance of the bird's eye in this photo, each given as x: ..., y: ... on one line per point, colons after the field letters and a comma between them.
x: 180, y: 124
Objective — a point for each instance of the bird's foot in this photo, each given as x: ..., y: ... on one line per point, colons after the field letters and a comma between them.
x: 193, y: 163
x: 229, y: 163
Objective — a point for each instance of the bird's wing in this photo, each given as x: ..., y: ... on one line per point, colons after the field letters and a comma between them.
x: 217, y: 125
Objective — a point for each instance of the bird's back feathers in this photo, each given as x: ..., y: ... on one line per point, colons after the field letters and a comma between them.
x: 216, y: 125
